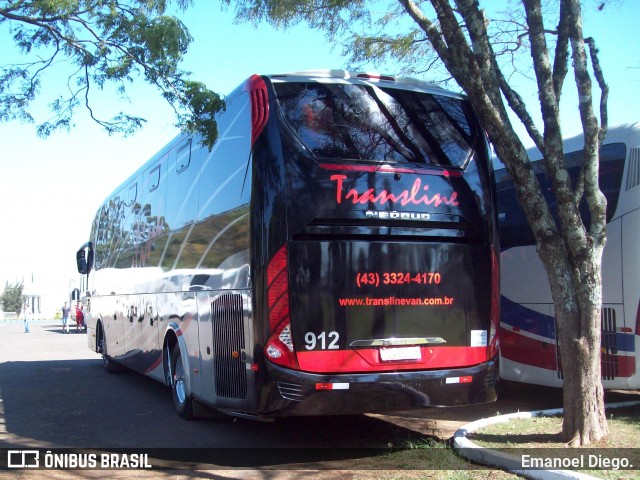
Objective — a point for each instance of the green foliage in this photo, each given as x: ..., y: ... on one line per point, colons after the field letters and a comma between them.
x: 331, y: 15
x: 12, y: 297
x: 101, y: 42
x: 369, y: 33
x: 204, y: 104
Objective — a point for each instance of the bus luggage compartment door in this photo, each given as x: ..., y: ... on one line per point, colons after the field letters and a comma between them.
x: 360, y: 306
x: 225, y: 349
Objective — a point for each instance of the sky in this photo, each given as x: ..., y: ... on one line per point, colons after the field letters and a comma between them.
x: 50, y: 189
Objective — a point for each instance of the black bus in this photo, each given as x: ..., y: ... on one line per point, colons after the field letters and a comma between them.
x: 334, y: 252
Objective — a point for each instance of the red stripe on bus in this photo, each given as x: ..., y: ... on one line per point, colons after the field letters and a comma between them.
x: 368, y: 360
x: 155, y: 365
x: 626, y: 366
x: 527, y: 351
x: 389, y: 169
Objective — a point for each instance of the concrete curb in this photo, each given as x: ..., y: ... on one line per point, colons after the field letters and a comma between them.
x: 484, y: 456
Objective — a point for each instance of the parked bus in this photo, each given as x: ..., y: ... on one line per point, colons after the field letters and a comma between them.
x: 528, y: 339
x: 335, y: 252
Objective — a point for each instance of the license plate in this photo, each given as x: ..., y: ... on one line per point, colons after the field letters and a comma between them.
x: 400, y: 353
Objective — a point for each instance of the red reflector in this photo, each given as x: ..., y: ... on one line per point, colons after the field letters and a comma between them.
x: 332, y: 386
x: 626, y: 330
x: 454, y: 380
x: 324, y: 386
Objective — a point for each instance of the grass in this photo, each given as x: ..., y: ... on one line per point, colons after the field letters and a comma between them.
x: 423, y: 459
x: 427, y: 458
x: 531, y: 436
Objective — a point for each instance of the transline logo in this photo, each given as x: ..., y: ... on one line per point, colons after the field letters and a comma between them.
x: 418, y: 195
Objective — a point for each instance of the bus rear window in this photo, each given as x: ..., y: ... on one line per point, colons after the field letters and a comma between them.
x: 387, y: 125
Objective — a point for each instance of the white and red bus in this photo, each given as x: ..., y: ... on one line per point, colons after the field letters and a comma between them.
x: 335, y: 252
x: 528, y: 339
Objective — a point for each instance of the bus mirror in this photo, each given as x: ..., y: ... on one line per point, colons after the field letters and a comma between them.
x: 89, y: 258
x: 84, y: 258
x: 82, y: 262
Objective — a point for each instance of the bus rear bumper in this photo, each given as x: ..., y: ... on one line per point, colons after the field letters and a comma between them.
x: 293, y: 393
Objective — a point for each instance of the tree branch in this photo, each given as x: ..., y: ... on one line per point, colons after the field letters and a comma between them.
x: 476, y: 24
x: 561, y: 57
x: 108, y: 41
x: 597, y: 72
x: 433, y: 33
x: 594, y: 197
x: 540, y: 55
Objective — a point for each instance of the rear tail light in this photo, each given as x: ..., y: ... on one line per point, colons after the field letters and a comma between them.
x: 638, y: 319
x: 259, y: 105
x: 279, y: 348
x: 493, y: 340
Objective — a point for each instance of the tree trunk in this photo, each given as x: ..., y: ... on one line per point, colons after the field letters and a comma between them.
x: 578, y: 326
x: 584, y: 416
x: 570, y: 250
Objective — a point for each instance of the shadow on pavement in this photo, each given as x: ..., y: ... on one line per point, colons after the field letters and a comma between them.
x: 76, y: 404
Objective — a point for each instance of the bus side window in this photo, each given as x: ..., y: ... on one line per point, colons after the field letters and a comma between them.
x: 132, y: 194
x: 154, y: 178
x: 228, y: 160
x: 183, y: 156
x: 182, y: 186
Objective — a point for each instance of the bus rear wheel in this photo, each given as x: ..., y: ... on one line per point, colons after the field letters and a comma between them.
x: 182, y: 401
x: 109, y: 365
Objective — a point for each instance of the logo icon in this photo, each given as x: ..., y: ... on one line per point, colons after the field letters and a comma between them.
x: 23, y: 459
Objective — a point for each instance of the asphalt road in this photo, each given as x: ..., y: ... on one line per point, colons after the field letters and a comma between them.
x: 55, y: 393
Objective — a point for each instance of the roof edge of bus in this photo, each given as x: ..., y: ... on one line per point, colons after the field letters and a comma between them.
x: 345, y: 74
x: 576, y: 142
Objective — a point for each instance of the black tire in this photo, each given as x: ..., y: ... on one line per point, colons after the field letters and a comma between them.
x: 181, y: 400
x: 109, y: 365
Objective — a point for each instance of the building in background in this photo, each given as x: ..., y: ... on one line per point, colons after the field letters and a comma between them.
x: 33, y: 296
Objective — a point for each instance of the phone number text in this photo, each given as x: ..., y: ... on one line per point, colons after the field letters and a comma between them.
x: 397, y: 278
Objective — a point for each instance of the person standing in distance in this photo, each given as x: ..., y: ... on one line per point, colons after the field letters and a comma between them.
x: 65, y: 317
x: 26, y: 315
x: 79, y: 317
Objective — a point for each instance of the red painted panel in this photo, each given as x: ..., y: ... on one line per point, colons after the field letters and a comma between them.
x: 368, y: 360
x: 527, y: 351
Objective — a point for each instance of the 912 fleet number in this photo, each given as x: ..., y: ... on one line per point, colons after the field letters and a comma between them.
x: 323, y: 341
